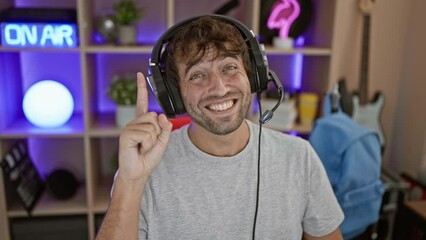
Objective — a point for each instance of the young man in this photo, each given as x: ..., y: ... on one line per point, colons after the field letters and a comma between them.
x: 200, y: 182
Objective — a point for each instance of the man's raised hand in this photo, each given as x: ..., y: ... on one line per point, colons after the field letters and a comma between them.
x: 143, y: 140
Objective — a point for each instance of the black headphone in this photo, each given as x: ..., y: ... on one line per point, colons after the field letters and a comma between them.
x: 167, y: 92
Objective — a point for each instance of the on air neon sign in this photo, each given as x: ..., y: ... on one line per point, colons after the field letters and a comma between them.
x: 58, y: 35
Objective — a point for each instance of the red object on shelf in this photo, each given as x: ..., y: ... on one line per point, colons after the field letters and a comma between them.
x: 416, y: 191
x: 179, y: 122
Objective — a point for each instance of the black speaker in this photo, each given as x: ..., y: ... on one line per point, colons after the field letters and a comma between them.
x: 167, y: 92
x: 61, y: 184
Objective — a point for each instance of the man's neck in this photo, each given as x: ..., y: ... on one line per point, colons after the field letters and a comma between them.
x: 219, y: 145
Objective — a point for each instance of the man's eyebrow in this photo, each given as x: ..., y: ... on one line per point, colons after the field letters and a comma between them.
x: 189, y: 66
x: 221, y: 56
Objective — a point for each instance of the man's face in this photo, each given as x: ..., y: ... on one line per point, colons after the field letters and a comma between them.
x: 216, y: 93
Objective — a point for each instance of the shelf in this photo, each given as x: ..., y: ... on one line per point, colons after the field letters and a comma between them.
x: 147, y: 49
x: 308, y: 51
x: 21, y: 128
x: 119, y: 49
x: 48, y: 206
x: 297, y: 128
x: 35, y: 49
x: 102, y: 198
x: 102, y: 194
x: 88, y: 143
x: 104, y: 126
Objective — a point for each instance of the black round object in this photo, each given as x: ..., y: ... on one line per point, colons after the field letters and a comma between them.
x: 62, y: 184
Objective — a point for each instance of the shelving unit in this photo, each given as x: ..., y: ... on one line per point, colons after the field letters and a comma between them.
x: 87, y: 144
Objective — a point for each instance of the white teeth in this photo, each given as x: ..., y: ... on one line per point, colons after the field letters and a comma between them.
x: 222, y: 106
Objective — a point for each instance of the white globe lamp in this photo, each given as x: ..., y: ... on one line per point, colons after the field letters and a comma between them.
x: 48, y: 104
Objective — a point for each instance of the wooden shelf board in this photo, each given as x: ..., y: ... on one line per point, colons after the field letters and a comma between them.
x: 297, y: 128
x: 102, y: 198
x: 310, y: 51
x: 418, y: 206
x: 148, y: 49
x: 104, y: 126
x: 34, y: 49
x: 48, y: 206
x: 22, y: 128
x: 118, y: 49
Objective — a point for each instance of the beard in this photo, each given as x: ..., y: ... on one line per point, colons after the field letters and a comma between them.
x: 219, y: 125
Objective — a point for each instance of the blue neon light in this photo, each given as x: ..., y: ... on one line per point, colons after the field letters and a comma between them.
x: 58, y: 35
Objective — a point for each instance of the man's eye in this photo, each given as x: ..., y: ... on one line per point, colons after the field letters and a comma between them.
x: 196, y: 76
x: 230, y: 68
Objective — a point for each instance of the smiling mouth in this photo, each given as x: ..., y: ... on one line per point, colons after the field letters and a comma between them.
x: 218, y: 107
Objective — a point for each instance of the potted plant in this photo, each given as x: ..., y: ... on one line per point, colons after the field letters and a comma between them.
x: 123, y: 91
x: 127, y: 14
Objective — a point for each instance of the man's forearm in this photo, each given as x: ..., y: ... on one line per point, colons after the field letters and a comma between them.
x: 122, y: 217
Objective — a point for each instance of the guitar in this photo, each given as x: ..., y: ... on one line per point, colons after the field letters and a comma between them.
x: 346, y: 99
x: 365, y: 112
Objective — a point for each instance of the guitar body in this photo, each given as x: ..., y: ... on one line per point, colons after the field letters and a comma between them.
x: 368, y: 115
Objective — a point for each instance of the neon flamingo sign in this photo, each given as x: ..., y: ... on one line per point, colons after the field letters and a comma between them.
x: 283, y: 14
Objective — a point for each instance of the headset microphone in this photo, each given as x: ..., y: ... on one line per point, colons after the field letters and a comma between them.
x: 267, y: 115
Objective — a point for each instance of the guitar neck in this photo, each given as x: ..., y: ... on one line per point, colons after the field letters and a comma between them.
x: 363, y: 82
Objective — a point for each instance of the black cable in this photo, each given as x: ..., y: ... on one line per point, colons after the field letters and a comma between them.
x: 258, y: 169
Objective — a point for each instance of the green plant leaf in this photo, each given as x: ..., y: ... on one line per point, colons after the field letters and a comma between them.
x: 123, y: 90
x: 127, y: 12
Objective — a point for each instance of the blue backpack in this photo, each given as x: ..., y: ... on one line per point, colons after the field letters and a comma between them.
x: 351, y: 155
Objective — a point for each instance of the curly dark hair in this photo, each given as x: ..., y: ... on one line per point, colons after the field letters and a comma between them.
x: 191, y: 42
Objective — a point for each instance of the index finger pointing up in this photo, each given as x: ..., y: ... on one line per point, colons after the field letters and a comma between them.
x: 142, y: 98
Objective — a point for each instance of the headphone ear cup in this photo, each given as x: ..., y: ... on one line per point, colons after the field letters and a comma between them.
x: 174, y: 94
x: 166, y: 93
x: 261, y: 66
x: 253, y: 78
x: 263, y: 78
x: 159, y: 89
x: 259, y: 72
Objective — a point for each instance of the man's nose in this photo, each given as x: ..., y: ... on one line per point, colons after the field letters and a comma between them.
x: 218, y: 84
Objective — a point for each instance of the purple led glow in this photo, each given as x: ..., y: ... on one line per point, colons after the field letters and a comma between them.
x: 298, y: 64
x: 293, y: 133
x: 49, y: 154
x: 283, y: 14
x: 11, y: 89
x: 300, y: 41
x: 64, y: 67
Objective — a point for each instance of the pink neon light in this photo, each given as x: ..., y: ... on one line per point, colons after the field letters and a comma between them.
x: 283, y: 15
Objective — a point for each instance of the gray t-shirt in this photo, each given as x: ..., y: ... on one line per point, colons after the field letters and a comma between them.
x: 194, y: 195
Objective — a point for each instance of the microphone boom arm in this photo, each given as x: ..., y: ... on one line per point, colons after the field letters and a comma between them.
x: 268, y: 114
